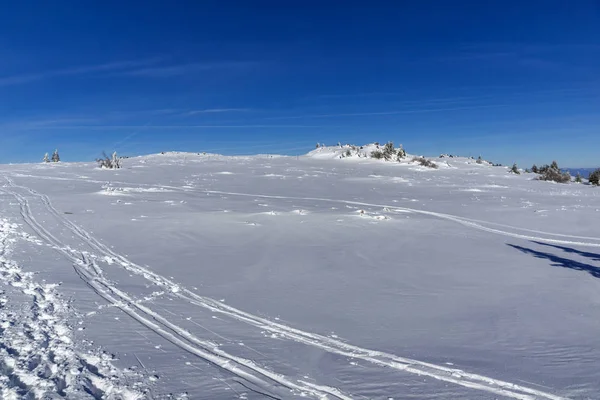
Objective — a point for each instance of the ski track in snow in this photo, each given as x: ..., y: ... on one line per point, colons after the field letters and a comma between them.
x: 91, y: 273
x: 472, y: 223
x: 38, y: 359
x: 266, y: 380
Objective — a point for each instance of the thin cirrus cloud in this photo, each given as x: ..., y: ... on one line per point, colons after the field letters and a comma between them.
x: 187, y: 69
x: 81, y: 70
x: 394, y: 112
x: 42, y: 124
x: 217, y: 111
x: 93, y: 127
x: 147, y: 68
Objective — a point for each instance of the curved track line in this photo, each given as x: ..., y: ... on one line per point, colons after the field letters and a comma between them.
x: 238, y: 366
x: 439, y: 215
x: 450, y: 375
x: 461, y: 220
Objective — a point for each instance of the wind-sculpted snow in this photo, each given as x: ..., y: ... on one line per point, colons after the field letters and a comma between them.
x: 260, y: 277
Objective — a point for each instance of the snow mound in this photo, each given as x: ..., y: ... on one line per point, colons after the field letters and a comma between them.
x: 346, y: 151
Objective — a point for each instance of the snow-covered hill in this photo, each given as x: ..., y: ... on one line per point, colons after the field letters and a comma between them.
x: 202, y: 276
x: 366, y: 153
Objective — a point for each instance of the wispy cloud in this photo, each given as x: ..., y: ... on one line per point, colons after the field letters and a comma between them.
x: 217, y: 111
x: 168, y: 71
x: 79, y: 70
x: 92, y: 127
x: 48, y: 123
x: 393, y: 112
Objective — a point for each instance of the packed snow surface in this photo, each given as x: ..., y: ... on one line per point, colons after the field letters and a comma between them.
x: 198, y: 276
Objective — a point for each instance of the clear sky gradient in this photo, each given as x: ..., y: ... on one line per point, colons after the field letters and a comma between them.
x: 508, y: 80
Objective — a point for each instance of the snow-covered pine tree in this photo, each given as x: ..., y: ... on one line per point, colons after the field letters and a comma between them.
x: 116, y: 162
x: 46, y: 158
x: 388, y: 151
x: 594, y: 177
x: 401, y: 153
x: 55, y: 156
x: 113, y: 162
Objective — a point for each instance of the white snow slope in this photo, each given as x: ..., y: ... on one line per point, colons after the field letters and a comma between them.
x: 210, y: 277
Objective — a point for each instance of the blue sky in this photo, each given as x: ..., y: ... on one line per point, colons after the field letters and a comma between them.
x: 512, y: 81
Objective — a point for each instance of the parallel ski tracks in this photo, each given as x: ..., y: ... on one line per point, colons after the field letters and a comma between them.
x: 268, y: 381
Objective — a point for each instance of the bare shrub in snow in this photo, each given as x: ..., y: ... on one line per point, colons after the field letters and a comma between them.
x: 109, y: 162
x: 594, y: 178
x: 424, y: 162
x: 348, y: 153
x: 378, y: 154
x: 554, y: 175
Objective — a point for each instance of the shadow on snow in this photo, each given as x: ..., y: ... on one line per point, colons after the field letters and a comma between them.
x: 593, y: 256
x: 564, y: 262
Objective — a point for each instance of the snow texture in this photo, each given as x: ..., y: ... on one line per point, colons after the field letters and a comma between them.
x: 199, y: 276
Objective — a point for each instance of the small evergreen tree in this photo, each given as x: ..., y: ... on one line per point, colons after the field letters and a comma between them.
x: 515, y: 169
x: 46, y: 158
x: 535, y: 169
x: 578, y: 178
x: 594, y: 177
x: 55, y: 156
x: 116, y: 161
x: 388, y: 151
x: 479, y: 160
x: 348, y: 153
x: 554, y: 165
x: 399, y: 155
x: 400, y: 152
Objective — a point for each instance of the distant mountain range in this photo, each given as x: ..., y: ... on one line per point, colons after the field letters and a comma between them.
x: 585, y: 172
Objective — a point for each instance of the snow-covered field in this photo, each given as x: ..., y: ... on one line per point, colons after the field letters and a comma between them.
x: 208, y: 277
